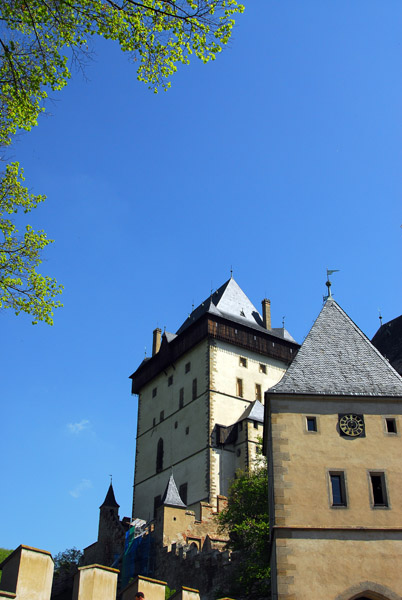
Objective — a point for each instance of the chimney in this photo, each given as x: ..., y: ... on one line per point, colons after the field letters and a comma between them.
x: 266, y: 313
x: 156, y: 340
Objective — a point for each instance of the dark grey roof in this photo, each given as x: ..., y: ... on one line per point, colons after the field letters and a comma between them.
x: 388, y: 340
x: 336, y: 358
x: 171, y: 497
x: 254, y: 412
x: 110, y: 500
x: 230, y: 302
x: 283, y: 333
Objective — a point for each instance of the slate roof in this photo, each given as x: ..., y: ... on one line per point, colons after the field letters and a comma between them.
x: 110, y: 500
x: 229, y: 301
x: 171, y: 497
x: 254, y: 412
x: 388, y: 340
x: 336, y: 358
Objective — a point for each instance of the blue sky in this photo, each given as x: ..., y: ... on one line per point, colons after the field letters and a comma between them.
x: 281, y: 158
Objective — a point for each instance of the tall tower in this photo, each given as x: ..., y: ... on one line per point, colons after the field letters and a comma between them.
x: 200, y: 398
x: 333, y: 429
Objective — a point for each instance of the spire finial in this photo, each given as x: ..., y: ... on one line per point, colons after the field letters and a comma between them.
x: 380, y: 316
x: 145, y: 351
x: 231, y: 271
x: 328, y: 283
x: 111, y: 479
x: 283, y: 321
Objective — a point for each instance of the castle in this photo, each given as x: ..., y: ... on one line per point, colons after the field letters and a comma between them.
x: 330, y: 412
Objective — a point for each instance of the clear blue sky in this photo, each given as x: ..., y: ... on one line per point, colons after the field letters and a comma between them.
x: 281, y: 158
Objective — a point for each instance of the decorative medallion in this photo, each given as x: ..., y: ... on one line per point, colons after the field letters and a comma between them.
x: 351, y: 425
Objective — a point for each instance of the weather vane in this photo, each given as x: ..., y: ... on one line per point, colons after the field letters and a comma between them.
x: 231, y: 271
x: 110, y: 479
x: 328, y: 283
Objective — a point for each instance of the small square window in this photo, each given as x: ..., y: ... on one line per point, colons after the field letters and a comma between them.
x: 243, y: 362
x: 154, y: 392
x: 258, y: 394
x: 338, y: 489
x: 263, y: 369
x: 311, y: 423
x: 379, y: 490
x: 239, y: 387
x: 181, y: 398
x: 390, y: 424
x: 170, y: 380
x: 162, y: 415
x: 187, y: 367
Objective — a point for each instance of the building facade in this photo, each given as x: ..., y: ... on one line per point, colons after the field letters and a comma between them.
x: 200, y: 399
x: 333, y: 438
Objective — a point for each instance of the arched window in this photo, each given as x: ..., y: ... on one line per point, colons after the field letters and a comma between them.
x: 159, y: 456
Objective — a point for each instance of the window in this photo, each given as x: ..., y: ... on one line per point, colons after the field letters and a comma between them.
x: 258, y: 392
x: 154, y: 392
x: 255, y: 423
x: 170, y: 380
x: 187, y: 367
x: 194, y: 389
x: 153, y: 422
x: 243, y: 362
x: 187, y: 430
x: 238, y: 452
x: 239, y: 387
x: 181, y: 398
x: 175, y: 424
x: 378, y: 488
x: 338, y: 489
x: 183, y: 492
x: 162, y: 415
x: 157, y: 503
x: 390, y: 424
x: 311, y: 423
x: 263, y: 369
x: 159, y: 456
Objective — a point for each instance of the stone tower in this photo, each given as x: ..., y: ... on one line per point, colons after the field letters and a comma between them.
x: 200, y: 399
x: 333, y: 428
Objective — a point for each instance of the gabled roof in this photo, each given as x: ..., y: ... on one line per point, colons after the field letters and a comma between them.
x: 110, y: 500
x: 254, y: 412
x: 171, y: 497
x: 336, y: 358
x: 229, y: 301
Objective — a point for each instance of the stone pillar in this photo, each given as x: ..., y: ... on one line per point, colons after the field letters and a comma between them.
x: 151, y: 588
x: 266, y: 313
x: 27, y: 574
x: 156, y: 340
x: 95, y: 582
x: 186, y: 593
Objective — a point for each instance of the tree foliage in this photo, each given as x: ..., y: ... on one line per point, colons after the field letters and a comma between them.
x: 37, y: 40
x: 3, y: 555
x: 22, y: 288
x: 67, y: 560
x: 246, y: 520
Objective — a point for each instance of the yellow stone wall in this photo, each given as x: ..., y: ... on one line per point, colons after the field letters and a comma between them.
x: 323, y: 550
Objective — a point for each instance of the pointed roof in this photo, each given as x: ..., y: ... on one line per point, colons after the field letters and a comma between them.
x: 254, y: 412
x: 231, y: 302
x: 110, y: 500
x: 336, y: 358
x: 171, y: 497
